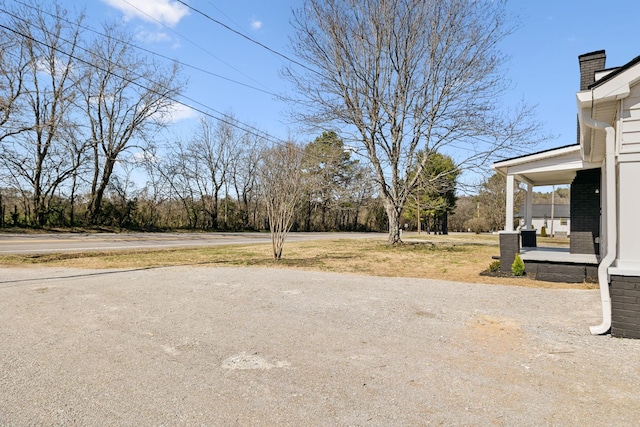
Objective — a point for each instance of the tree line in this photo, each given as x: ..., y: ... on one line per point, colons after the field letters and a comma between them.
x: 73, y: 104
x: 83, y: 113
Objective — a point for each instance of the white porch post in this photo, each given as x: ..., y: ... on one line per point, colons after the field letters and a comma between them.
x: 509, y: 217
x: 528, y: 208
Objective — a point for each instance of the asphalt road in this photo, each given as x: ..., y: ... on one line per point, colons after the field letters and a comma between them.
x: 81, y: 242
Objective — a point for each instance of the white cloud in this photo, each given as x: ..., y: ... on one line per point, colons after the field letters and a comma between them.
x: 255, y: 24
x: 165, y: 11
x: 178, y: 112
x: 151, y: 36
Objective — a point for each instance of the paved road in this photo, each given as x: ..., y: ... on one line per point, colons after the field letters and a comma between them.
x: 80, y: 242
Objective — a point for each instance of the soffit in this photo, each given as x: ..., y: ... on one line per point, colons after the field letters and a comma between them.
x: 553, y: 167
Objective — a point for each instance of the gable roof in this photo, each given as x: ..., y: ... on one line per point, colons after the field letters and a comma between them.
x: 535, y: 154
x: 613, y: 74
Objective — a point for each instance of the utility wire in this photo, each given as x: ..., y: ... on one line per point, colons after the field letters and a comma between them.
x: 252, y: 40
x: 184, y: 64
x: 195, y: 44
x: 223, y: 14
x: 224, y: 119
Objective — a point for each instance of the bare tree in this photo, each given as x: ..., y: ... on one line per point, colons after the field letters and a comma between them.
x: 15, y: 65
x: 492, y: 207
x: 244, y: 175
x: 281, y: 186
x: 39, y: 87
x: 407, y: 75
x: 125, y: 99
x: 181, y: 171
x: 157, y: 189
x: 214, y: 147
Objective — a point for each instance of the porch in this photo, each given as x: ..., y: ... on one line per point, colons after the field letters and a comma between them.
x: 560, y: 166
x: 554, y: 264
x: 556, y: 255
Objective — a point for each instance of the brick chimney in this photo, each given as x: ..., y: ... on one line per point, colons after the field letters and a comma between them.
x: 589, y: 64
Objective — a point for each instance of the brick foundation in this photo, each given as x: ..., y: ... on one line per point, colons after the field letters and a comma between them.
x: 625, y: 307
x: 561, y: 272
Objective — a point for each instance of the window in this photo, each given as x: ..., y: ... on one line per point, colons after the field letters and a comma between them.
x: 563, y: 221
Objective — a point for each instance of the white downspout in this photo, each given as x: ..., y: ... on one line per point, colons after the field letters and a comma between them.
x: 611, y: 226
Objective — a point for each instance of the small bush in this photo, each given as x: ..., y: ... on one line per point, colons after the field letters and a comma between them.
x: 477, y: 225
x: 494, y: 266
x: 517, y: 268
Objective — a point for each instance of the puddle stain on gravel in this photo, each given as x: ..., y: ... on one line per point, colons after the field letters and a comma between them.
x: 246, y: 361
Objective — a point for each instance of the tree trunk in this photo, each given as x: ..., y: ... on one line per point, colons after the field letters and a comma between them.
x: 95, y: 203
x: 394, y: 213
x: 214, y: 212
x: 445, y: 223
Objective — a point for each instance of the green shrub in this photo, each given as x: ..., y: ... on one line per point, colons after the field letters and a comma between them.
x: 517, y: 268
x: 494, y: 266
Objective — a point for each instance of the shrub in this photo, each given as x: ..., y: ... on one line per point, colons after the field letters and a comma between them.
x: 494, y: 266
x: 477, y: 225
x: 517, y: 268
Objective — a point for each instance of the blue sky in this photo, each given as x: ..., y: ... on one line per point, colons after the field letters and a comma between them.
x: 543, y: 66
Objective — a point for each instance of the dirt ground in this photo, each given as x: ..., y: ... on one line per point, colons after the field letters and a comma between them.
x: 264, y: 347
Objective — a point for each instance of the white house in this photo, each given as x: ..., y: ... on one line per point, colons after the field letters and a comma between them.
x: 604, y: 172
x: 553, y: 218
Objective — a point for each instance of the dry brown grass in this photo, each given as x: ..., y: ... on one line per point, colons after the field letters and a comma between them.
x: 455, y: 257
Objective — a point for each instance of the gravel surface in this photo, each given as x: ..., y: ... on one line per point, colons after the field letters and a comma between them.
x: 264, y: 347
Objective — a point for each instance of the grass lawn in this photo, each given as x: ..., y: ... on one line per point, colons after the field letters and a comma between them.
x: 457, y: 257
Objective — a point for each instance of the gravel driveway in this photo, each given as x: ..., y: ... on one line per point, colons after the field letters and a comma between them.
x: 240, y: 346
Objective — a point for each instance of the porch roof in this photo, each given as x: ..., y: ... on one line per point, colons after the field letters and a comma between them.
x: 551, y: 167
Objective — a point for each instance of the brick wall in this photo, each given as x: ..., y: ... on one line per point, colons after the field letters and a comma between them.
x: 561, y: 272
x: 589, y: 64
x: 585, y: 212
x: 625, y: 306
x: 509, y: 247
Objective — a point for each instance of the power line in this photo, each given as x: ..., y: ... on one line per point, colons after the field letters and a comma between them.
x: 146, y: 50
x: 195, y: 44
x: 225, y: 118
x: 252, y: 40
x: 223, y: 14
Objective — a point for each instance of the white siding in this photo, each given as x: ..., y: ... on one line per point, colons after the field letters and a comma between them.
x: 631, y: 122
x: 628, y: 208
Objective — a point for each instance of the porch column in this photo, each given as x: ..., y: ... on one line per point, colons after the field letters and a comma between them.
x: 509, y: 217
x: 528, y: 208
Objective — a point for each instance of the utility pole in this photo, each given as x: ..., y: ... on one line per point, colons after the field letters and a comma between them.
x: 418, y: 202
